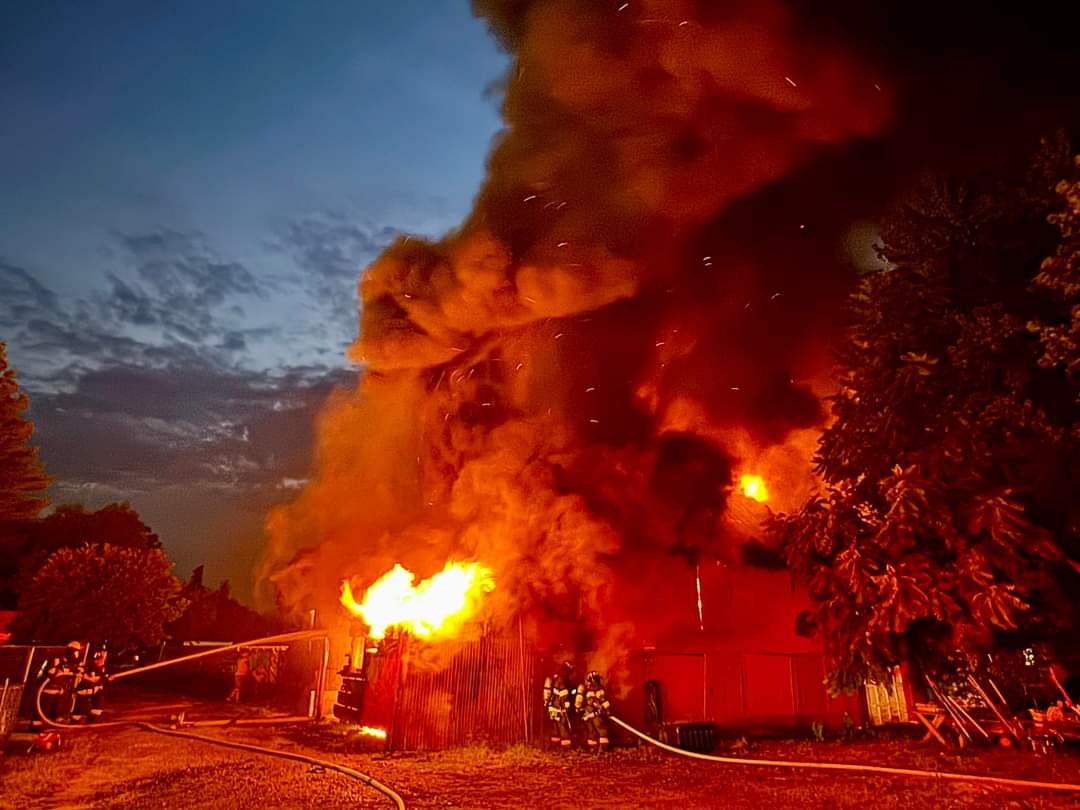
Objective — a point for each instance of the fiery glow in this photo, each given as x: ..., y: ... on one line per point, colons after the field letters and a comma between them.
x: 371, y: 731
x: 435, y: 604
x: 700, y: 611
x: 753, y: 487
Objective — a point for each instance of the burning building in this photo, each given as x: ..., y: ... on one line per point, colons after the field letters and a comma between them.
x: 590, y: 388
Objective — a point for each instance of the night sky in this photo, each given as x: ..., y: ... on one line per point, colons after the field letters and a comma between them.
x: 189, y: 196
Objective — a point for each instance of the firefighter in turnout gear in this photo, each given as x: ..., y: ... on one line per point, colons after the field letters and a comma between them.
x: 91, y: 690
x: 593, y: 707
x: 61, y: 677
x: 558, y: 703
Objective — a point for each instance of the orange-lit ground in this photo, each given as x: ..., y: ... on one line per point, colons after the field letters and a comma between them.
x: 130, y: 769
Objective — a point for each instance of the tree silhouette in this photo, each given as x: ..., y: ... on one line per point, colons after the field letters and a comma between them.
x: 72, y: 525
x: 101, y: 593
x: 953, y: 463
x: 22, y: 475
x: 1060, y: 278
x: 213, y: 615
x: 22, y: 481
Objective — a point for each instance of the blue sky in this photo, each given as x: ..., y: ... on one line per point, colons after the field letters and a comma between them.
x: 189, y: 193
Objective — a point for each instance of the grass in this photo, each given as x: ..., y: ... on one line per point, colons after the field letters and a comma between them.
x: 128, y: 768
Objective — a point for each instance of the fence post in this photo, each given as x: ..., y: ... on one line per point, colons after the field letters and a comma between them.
x: 524, y: 683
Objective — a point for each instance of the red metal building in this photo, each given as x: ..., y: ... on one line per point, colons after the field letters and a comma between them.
x: 739, y: 662
x: 732, y: 658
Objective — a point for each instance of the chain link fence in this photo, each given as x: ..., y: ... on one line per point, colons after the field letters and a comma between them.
x: 10, y: 698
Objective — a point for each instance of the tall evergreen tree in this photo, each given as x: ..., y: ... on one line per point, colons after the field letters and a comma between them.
x: 22, y: 475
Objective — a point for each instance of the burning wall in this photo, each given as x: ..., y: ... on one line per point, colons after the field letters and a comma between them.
x: 569, y: 387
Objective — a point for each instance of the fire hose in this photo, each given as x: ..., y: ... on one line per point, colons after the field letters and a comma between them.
x: 300, y: 635
x: 255, y: 749
x: 851, y: 767
x: 280, y: 638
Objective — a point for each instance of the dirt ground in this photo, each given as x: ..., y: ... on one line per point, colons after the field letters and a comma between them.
x: 130, y: 768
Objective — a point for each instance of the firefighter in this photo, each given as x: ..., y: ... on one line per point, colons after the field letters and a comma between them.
x: 558, y: 702
x: 51, y: 691
x: 58, y: 699
x: 240, y: 677
x: 92, y: 686
x: 593, y: 706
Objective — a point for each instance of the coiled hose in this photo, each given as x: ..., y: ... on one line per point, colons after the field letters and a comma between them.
x: 851, y: 767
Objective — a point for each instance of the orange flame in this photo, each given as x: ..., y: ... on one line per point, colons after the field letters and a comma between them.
x: 753, y: 487
x: 435, y: 606
x: 371, y: 731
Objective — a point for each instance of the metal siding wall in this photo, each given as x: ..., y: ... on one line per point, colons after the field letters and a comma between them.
x: 770, y: 692
x: 724, y: 698
x: 811, y: 695
x: 481, y: 696
x: 682, y: 686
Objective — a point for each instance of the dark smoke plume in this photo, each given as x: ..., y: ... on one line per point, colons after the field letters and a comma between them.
x: 568, y: 386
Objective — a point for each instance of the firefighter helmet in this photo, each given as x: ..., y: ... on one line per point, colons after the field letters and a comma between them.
x: 593, y: 679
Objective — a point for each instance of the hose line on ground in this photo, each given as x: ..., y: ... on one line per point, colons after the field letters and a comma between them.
x: 846, y: 766
x: 67, y: 726
x: 300, y: 635
x: 256, y: 749
x: 333, y: 766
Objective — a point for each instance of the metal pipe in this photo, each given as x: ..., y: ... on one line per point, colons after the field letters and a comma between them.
x: 29, y: 663
x: 944, y: 700
x: 320, y: 686
x: 993, y: 706
x: 251, y: 721
x: 997, y: 692
x: 524, y: 681
x: 1064, y: 693
x: 969, y: 718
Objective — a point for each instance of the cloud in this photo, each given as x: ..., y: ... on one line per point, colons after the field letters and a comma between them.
x: 22, y: 293
x: 176, y: 283
x: 331, y: 245
x: 331, y: 249
x: 183, y: 377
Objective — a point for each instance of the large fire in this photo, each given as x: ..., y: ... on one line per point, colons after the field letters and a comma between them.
x: 434, y: 605
x: 753, y: 487
x: 523, y: 374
